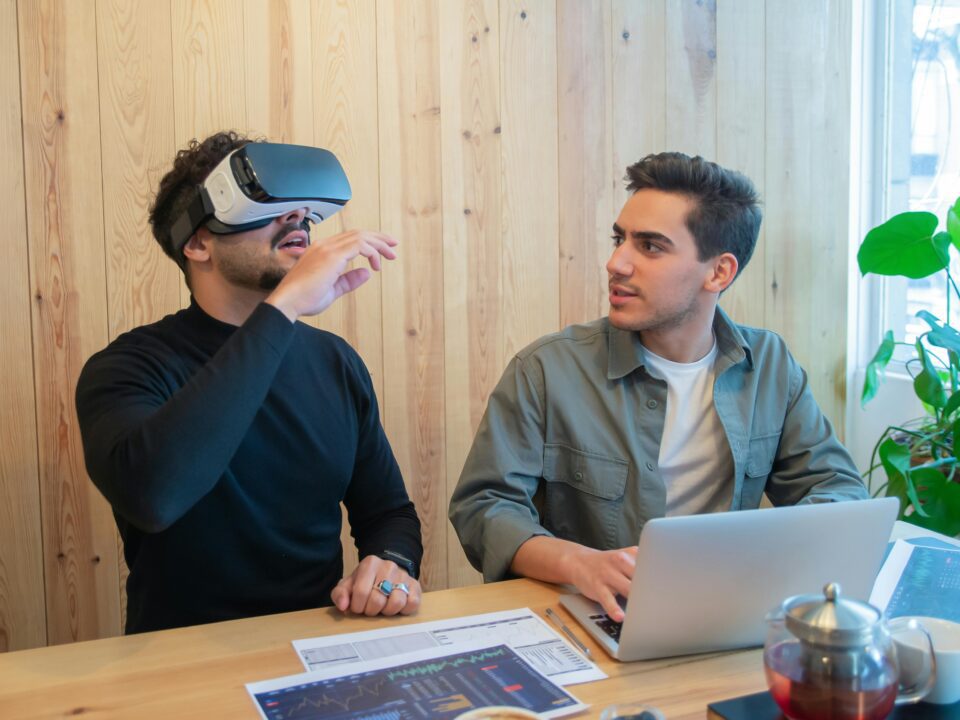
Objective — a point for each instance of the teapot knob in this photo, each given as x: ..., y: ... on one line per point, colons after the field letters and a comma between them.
x: 831, y: 591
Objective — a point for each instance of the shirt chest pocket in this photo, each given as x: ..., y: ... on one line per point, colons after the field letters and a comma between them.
x: 583, y: 495
x: 761, y: 455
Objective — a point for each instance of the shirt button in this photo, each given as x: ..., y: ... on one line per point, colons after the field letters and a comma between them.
x: 578, y: 475
x: 650, y: 465
x: 651, y: 404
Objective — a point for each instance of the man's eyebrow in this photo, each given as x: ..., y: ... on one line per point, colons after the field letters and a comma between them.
x: 642, y: 235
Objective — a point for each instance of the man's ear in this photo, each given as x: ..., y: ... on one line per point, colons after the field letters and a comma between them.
x: 722, y: 272
x: 198, y: 246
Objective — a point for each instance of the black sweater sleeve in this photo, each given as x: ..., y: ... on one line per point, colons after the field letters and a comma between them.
x: 381, y: 515
x: 154, y: 452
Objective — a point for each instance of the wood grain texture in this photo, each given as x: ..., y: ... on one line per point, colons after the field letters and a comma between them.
x: 65, y: 231
x: 639, y: 87
x: 22, y: 616
x: 807, y: 176
x: 137, y: 138
x: 209, y: 90
x: 741, y: 120
x: 277, y: 72
x: 410, y: 207
x: 137, y: 141
x: 133, y: 676
x: 344, y: 76
x: 344, y: 115
x: 531, y: 228
x: 208, y: 68
x: 585, y: 162
x: 525, y: 114
x: 691, y: 66
x: 472, y: 234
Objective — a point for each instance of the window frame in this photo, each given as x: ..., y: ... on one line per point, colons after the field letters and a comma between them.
x: 874, y: 128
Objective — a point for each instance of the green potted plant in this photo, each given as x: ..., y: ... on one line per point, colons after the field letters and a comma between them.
x: 919, y: 456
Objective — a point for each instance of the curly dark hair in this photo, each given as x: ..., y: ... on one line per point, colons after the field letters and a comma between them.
x: 726, y: 216
x: 190, y: 168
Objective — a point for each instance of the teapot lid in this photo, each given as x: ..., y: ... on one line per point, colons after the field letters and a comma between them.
x: 829, y: 619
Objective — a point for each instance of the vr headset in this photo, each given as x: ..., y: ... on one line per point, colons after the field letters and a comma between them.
x: 259, y: 182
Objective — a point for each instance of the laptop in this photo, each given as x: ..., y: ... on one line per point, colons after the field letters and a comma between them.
x: 706, y: 582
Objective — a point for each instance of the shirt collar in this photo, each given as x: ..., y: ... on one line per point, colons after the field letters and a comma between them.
x: 625, y: 353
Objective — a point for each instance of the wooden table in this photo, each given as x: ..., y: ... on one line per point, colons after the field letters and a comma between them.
x: 200, y: 672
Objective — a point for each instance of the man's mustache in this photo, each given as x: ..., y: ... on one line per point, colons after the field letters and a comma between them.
x: 287, y: 229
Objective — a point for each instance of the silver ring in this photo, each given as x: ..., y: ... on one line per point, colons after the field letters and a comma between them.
x: 402, y: 587
x: 385, y: 586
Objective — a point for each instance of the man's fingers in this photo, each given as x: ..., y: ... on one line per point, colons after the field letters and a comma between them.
x: 341, y: 594
x: 625, y: 564
x: 351, y: 280
x: 363, y: 580
x: 413, y: 599
x: 374, y: 251
x: 620, y: 585
x: 610, y: 605
x: 375, y: 602
x: 395, y: 603
x: 361, y: 594
x: 350, y: 236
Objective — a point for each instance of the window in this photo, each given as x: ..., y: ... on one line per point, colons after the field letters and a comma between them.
x: 906, y: 152
x: 920, y: 143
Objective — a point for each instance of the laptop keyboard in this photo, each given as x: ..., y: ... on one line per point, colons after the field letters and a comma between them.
x: 610, y: 627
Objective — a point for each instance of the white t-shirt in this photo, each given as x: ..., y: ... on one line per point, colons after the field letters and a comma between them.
x: 695, y: 460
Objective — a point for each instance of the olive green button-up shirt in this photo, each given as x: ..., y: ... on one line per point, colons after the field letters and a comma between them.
x: 569, y: 443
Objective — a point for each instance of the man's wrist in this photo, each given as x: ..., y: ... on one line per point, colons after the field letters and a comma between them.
x: 276, y: 299
x: 401, y: 561
x: 570, y: 560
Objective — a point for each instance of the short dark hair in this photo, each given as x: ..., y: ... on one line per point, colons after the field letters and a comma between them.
x: 726, y: 216
x: 190, y: 168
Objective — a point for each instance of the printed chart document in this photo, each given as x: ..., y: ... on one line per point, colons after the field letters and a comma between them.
x: 435, y: 683
x: 919, y: 579
x: 522, y: 630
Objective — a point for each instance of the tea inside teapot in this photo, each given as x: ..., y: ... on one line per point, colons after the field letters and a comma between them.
x: 809, y: 684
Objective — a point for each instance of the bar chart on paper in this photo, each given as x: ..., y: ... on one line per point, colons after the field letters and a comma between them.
x: 919, y: 577
x: 437, y: 688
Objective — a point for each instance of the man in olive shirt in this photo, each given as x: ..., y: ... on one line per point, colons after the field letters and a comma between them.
x: 665, y: 407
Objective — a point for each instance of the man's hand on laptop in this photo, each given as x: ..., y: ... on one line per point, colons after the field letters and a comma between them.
x: 600, y: 575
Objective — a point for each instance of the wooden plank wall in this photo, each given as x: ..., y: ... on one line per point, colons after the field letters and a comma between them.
x: 490, y: 136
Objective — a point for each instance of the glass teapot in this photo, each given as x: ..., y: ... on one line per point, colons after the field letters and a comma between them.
x: 833, y: 658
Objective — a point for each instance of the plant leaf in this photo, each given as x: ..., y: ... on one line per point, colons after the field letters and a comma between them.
x: 927, y: 384
x: 953, y: 402
x: 905, y: 245
x: 940, y: 335
x: 894, y: 457
x: 953, y: 223
x: 940, y: 500
x: 912, y: 488
x: 871, y: 380
x: 956, y: 445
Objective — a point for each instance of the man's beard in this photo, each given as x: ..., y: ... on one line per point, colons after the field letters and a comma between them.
x: 269, y: 279
x: 662, y: 319
x: 239, y: 269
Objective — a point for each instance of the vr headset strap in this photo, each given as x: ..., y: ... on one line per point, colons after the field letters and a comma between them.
x: 198, y: 211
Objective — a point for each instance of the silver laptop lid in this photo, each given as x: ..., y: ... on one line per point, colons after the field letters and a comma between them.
x: 706, y: 582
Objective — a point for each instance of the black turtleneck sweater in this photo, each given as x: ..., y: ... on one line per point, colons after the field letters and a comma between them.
x: 225, y: 452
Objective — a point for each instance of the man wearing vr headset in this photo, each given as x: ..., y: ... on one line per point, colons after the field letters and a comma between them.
x: 226, y: 436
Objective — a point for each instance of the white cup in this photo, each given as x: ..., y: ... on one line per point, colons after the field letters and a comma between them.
x: 946, y: 646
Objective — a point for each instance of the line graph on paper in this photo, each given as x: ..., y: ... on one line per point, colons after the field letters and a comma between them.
x: 438, y: 688
x: 520, y: 628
